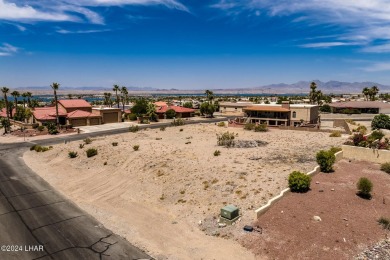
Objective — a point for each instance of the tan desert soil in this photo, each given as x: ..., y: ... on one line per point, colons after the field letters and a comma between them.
x: 349, y: 223
x: 156, y: 197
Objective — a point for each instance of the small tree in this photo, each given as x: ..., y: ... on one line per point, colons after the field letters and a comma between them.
x: 299, y: 182
x: 325, y: 108
x: 188, y: 105
x: 364, y: 187
x: 325, y: 160
x: 381, y: 121
x: 207, y: 109
x: 170, y: 113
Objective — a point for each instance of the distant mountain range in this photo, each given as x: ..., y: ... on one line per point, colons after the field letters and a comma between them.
x: 336, y: 87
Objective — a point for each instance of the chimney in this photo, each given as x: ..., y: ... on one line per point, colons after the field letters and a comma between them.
x: 286, y: 104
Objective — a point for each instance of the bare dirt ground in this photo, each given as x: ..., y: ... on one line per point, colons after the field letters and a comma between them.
x: 349, y: 223
x: 162, y: 196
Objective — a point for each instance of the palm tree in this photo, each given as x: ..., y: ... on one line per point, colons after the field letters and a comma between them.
x: 116, y: 89
x: 366, y: 92
x: 209, y: 95
x: 313, y: 93
x: 5, y: 90
x: 29, y: 95
x: 24, y: 95
x: 125, y: 94
x: 374, y: 92
x: 15, y: 94
x: 151, y: 111
x: 55, y: 86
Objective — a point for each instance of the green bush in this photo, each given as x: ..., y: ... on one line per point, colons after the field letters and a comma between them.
x: 132, y: 117
x: 170, y: 113
x: 225, y: 139
x: 335, y: 134
x: 81, y: 146
x: 35, y: 125
x: 133, y: 128
x: 217, y: 153
x: 385, y: 222
x: 376, y: 135
x: 364, y: 187
x: 39, y: 148
x: 325, y: 108
x: 249, y: 126
x: 91, y: 152
x: 221, y: 124
x: 52, y: 128
x: 357, y: 138
x: 178, y: 122
x: 261, y: 128
x: 381, y: 121
x: 88, y: 141
x: 335, y: 150
x: 40, y: 128
x: 136, y: 147
x: 72, y: 154
x: 32, y: 148
x: 299, y: 182
x: 115, y: 144
x: 362, y: 129
x: 325, y: 160
x: 385, y: 167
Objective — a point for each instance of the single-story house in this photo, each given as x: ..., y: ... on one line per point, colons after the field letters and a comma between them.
x: 181, y: 112
x: 367, y: 107
x: 285, y: 114
x: 233, y: 107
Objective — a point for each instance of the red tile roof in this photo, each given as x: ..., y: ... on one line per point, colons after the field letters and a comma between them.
x: 81, y: 114
x: 177, y: 109
x: 48, y: 113
x: 74, y: 103
x: 160, y: 103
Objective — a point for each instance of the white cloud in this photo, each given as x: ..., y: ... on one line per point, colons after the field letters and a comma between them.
x: 13, y: 12
x: 62, y: 31
x: 377, y: 67
x: 324, y: 44
x: 8, y: 49
x: 362, y: 20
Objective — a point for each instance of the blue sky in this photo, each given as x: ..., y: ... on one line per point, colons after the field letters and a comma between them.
x: 192, y: 44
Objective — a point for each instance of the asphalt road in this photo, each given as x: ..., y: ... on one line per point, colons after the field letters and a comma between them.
x: 40, y: 223
x: 36, y: 222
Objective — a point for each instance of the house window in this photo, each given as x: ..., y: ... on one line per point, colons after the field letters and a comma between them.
x: 294, y: 114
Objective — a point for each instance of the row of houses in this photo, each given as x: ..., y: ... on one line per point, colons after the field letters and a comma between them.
x: 78, y: 112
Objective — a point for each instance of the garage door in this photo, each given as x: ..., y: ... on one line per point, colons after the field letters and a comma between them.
x: 79, y: 122
x: 94, y: 121
x: 110, y: 118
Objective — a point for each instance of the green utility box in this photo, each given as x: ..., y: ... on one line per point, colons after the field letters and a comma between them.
x: 229, y: 212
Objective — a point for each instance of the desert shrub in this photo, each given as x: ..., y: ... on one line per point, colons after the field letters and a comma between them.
x: 362, y: 129
x: 325, y: 160
x: 170, y: 113
x: 40, y: 128
x: 350, y: 121
x: 136, y: 147
x: 381, y: 121
x: 349, y: 142
x: 357, y: 138
x: 385, y: 222
x: 132, y: 117
x: 181, y: 129
x: 133, y: 128
x: 87, y: 140
x: 363, y: 144
x: 225, y: 139
x: 383, y: 145
x: 115, y: 144
x: 217, y: 153
x: 221, y: 124
x: 335, y: 150
x: 364, y: 187
x: 385, y: 167
x: 335, y: 134
x: 162, y: 128
x: 52, y: 128
x: 39, y: 148
x: 249, y: 126
x: 299, y: 182
x: 376, y: 135
x: 72, y: 154
x: 177, y: 122
x: 261, y: 128
x: 91, y: 152
x: 81, y: 146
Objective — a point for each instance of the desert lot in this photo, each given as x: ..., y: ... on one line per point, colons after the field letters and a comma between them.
x: 166, y: 196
